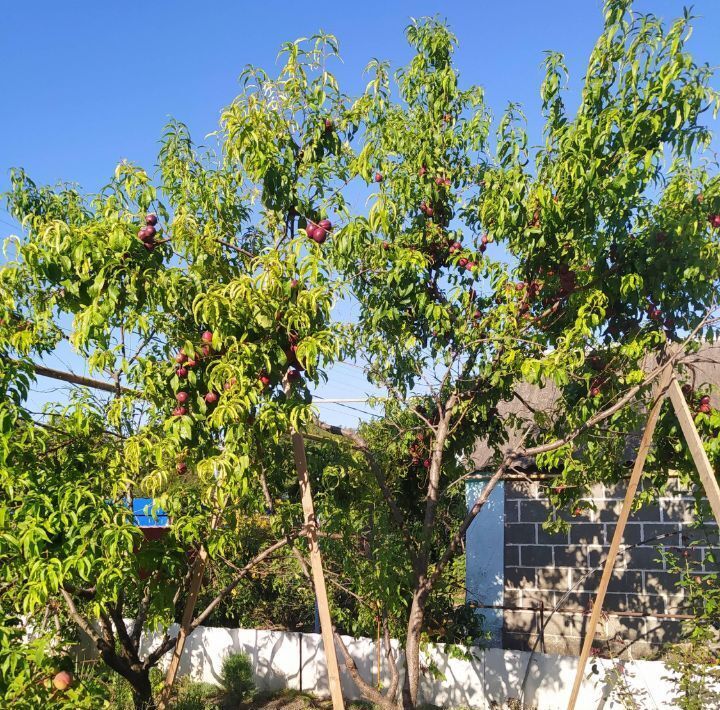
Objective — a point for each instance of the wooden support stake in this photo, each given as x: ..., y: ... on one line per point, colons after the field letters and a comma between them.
x: 196, y: 577
x: 642, y: 453
x: 697, y: 450
x: 317, y: 571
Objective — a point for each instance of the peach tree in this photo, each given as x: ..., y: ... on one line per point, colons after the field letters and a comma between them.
x: 488, y: 271
x: 198, y: 310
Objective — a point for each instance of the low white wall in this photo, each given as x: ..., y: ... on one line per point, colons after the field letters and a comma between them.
x: 293, y: 660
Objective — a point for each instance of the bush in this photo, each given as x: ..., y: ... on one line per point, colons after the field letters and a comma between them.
x: 237, y: 677
x: 196, y: 696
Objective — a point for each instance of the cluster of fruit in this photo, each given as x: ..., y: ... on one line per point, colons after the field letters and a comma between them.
x: 701, y: 403
x: 185, y: 364
x: 419, y: 452
x: 295, y: 367
x: 530, y: 291
x: 318, y: 232
x: 147, y: 233
x: 714, y: 220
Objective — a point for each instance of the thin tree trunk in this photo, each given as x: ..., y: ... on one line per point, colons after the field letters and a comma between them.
x: 198, y: 571
x: 416, y: 619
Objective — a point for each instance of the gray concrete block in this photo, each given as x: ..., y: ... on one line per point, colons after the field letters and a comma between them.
x: 536, y: 555
x: 520, y: 533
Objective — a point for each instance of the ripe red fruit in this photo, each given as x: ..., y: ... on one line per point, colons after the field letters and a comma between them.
x: 181, y: 468
x: 293, y: 375
x: 191, y: 363
x: 181, y: 372
x: 422, y: 172
x: 310, y: 230
x: 181, y: 357
x: 439, y: 180
x: 426, y: 463
x: 62, y: 680
x: 385, y: 245
x: 230, y: 383
x: 182, y: 397
x: 595, y: 391
x: 146, y: 234
x: 329, y: 125
x: 151, y: 219
x: 470, y: 266
x: 462, y: 261
x: 294, y: 283
x: 319, y: 235
x: 206, y: 350
x: 519, y: 286
x: 484, y: 239
x: 705, y: 408
x: 212, y: 397
x: 714, y: 220
x: 325, y: 224
x: 264, y: 380
x: 180, y: 411
x: 206, y: 337
x: 705, y: 399
x: 378, y: 177
x: 477, y: 315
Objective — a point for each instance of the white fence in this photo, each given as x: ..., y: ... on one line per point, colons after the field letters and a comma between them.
x: 294, y: 660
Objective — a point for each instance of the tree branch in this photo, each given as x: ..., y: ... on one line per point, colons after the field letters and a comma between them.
x: 81, y: 622
x: 373, y: 695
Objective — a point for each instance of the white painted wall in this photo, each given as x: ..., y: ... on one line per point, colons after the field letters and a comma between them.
x: 484, y: 556
x: 285, y: 660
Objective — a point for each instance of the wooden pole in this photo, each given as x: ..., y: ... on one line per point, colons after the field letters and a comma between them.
x: 196, y: 577
x: 697, y: 450
x: 642, y: 453
x: 311, y: 532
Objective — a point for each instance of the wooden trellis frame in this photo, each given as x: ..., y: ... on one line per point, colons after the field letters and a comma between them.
x: 667, y: 386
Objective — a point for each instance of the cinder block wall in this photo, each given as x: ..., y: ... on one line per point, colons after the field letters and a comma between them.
x: 556, y: 568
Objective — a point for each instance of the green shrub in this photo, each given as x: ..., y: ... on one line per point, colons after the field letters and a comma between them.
x: 196, y: 696
x: 237, y: 677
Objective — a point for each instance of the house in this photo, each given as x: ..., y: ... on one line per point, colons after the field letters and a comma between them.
x: 535, y: 588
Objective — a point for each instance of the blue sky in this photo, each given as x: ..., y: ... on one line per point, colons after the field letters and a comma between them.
x: 85, y: 84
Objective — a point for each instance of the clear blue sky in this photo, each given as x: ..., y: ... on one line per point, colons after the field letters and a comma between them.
x: 84, y: 84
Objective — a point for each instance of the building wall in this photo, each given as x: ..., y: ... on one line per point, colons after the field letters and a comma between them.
x: 485, y: 558
x: 556, y: 569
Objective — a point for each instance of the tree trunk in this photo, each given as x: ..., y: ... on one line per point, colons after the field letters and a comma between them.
x: 142, y: 691
x: 412, y: 648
